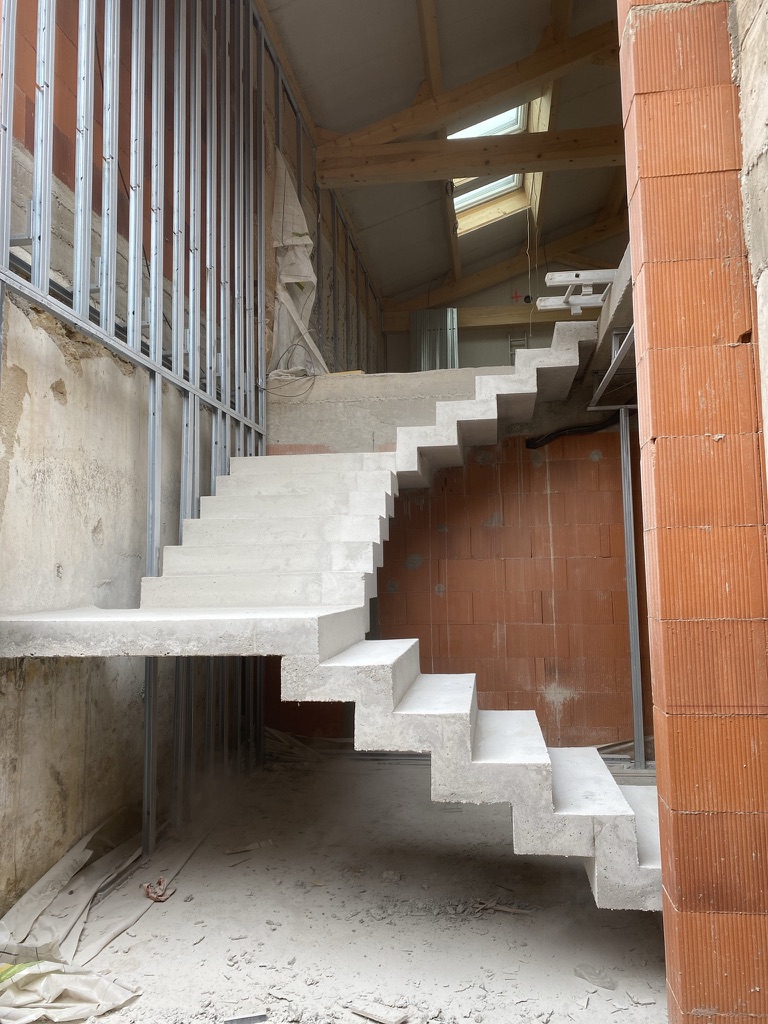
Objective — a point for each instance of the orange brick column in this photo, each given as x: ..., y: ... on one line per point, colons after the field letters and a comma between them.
x: 704, y: 503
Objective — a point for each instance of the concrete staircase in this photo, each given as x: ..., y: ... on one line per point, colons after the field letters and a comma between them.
x: 283, y: 560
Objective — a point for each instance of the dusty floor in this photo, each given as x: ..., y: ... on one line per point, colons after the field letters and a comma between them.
x: 358, y: 888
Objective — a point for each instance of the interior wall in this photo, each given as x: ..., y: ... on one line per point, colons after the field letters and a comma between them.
x: 73, y: 429
x: 512, y: 567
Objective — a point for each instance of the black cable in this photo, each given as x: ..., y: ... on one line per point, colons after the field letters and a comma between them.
x: 583, y: 428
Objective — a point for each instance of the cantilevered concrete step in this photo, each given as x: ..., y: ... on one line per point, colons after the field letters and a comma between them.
x: 262, y: 590
x: 266, y: 556
x: 181, y: 632
x: 510, y: 762
x: 308, y: 529
x: 292, y: 482
x: 237, y: 506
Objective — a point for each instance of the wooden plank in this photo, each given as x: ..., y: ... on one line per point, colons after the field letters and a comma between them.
x: 578, y: 262
x: 491, y: 93
x: 617, y: 195
x: 471, y: 284
x: 397, y: 321
x: 438, y: 159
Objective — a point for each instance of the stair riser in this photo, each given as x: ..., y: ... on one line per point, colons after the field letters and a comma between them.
x: 248, y: 485
x: 292, y: 507
x: 262, y: 591
x: 308, y: 530
x: 337, y: 462
x: 254, y: 558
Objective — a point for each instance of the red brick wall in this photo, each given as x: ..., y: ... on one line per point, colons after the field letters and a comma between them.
x: 512, y: 567
x: 704, y: 497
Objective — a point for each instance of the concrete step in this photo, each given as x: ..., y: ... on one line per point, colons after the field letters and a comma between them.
x: 371, y: 673
x: 291, y: 506
x: 322, y: 463
x: 257, y: 590
x: 267, y: 556
x: 435, y: 714
x: 313, y: 633
x: 302, y: 530
x: 644, y: 801
x: 295, y: 483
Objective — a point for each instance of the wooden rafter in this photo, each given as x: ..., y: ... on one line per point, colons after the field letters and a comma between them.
x: 491, y: 93
x: 430, y: 46
x: 617, y: 195
x: 471, y: 284
x: 438, y: 159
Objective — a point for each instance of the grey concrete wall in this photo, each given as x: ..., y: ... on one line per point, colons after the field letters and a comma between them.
x: 749, y: 25
x: 73, y: 441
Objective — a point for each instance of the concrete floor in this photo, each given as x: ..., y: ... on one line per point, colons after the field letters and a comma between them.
x: 354, y: 887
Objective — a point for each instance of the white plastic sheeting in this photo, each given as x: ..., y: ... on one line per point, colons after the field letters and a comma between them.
x: 293, y: 347
x: 53, y: 992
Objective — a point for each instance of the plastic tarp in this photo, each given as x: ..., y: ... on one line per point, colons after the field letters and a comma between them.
x: 48, y: 991
x: 293, y: 347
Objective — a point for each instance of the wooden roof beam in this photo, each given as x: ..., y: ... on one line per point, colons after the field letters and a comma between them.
x: 492, y: 93
x: 438, y: 159
x: 471, y: 284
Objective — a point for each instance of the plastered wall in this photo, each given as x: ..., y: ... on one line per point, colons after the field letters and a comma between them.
x: 72, y: 533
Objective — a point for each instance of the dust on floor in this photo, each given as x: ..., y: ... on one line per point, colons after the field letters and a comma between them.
x: 351, y: 886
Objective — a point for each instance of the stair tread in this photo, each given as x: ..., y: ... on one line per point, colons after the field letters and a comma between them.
x: 438, y: 695
x: 583, y: 785
x: 507, y: 737
x: 644, y: 801
x: 370, y: 652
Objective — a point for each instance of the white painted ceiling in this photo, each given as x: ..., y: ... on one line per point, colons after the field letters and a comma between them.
x: 358, y: 61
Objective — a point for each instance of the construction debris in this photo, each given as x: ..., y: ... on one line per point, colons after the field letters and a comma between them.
x: 379, y: 1013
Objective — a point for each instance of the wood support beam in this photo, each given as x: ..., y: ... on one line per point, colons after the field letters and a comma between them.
x: 491, y: 93
x: 491, y: 316
x: 471, y: 284
x: 438, y: 159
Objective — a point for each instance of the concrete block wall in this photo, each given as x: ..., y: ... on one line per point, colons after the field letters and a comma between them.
x: 512, y: 567
x: 704, y: 496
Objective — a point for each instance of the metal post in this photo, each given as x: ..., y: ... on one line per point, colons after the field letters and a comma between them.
x: 210, y: 701
x: 261, y: 244
x: 149, y: 807
x: 136, y: 201
x: 634, y: 615
x: 211, y: 203
x: 110, y: 173
x: 225, y: 125
x: 179, y: 733
x: 178, y: 319
x: 43, y: 169
x: 7, y: 78
x: 347, y: 318
x: 334, y: 282
x: 190, y: 664
x: 238, y: 224
x: 81, y: 278
x: 278, y: 105
x: 156, y: 289
x: 259, y: 710
x: 251, y: 405
x: 319, y: 271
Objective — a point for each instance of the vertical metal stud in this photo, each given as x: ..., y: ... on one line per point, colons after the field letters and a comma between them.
x: 7, y: 79
x: 239, y: 226
x: 335, y: 286
x: 149, y: 805
x: 86, y: 38
x: 110, y: 171
x: 178, y: 317
x: 251, y: 368
x: 225, y: 215
x: 634, y: 614
x: 261, y: 235
x: 211, y: 204
x: 136, y: 181
x: 43, y: 168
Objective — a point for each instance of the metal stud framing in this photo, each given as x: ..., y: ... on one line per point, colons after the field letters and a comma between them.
x: 195, y: 317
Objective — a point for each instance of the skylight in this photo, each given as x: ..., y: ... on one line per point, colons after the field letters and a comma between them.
x: 484, y: 199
